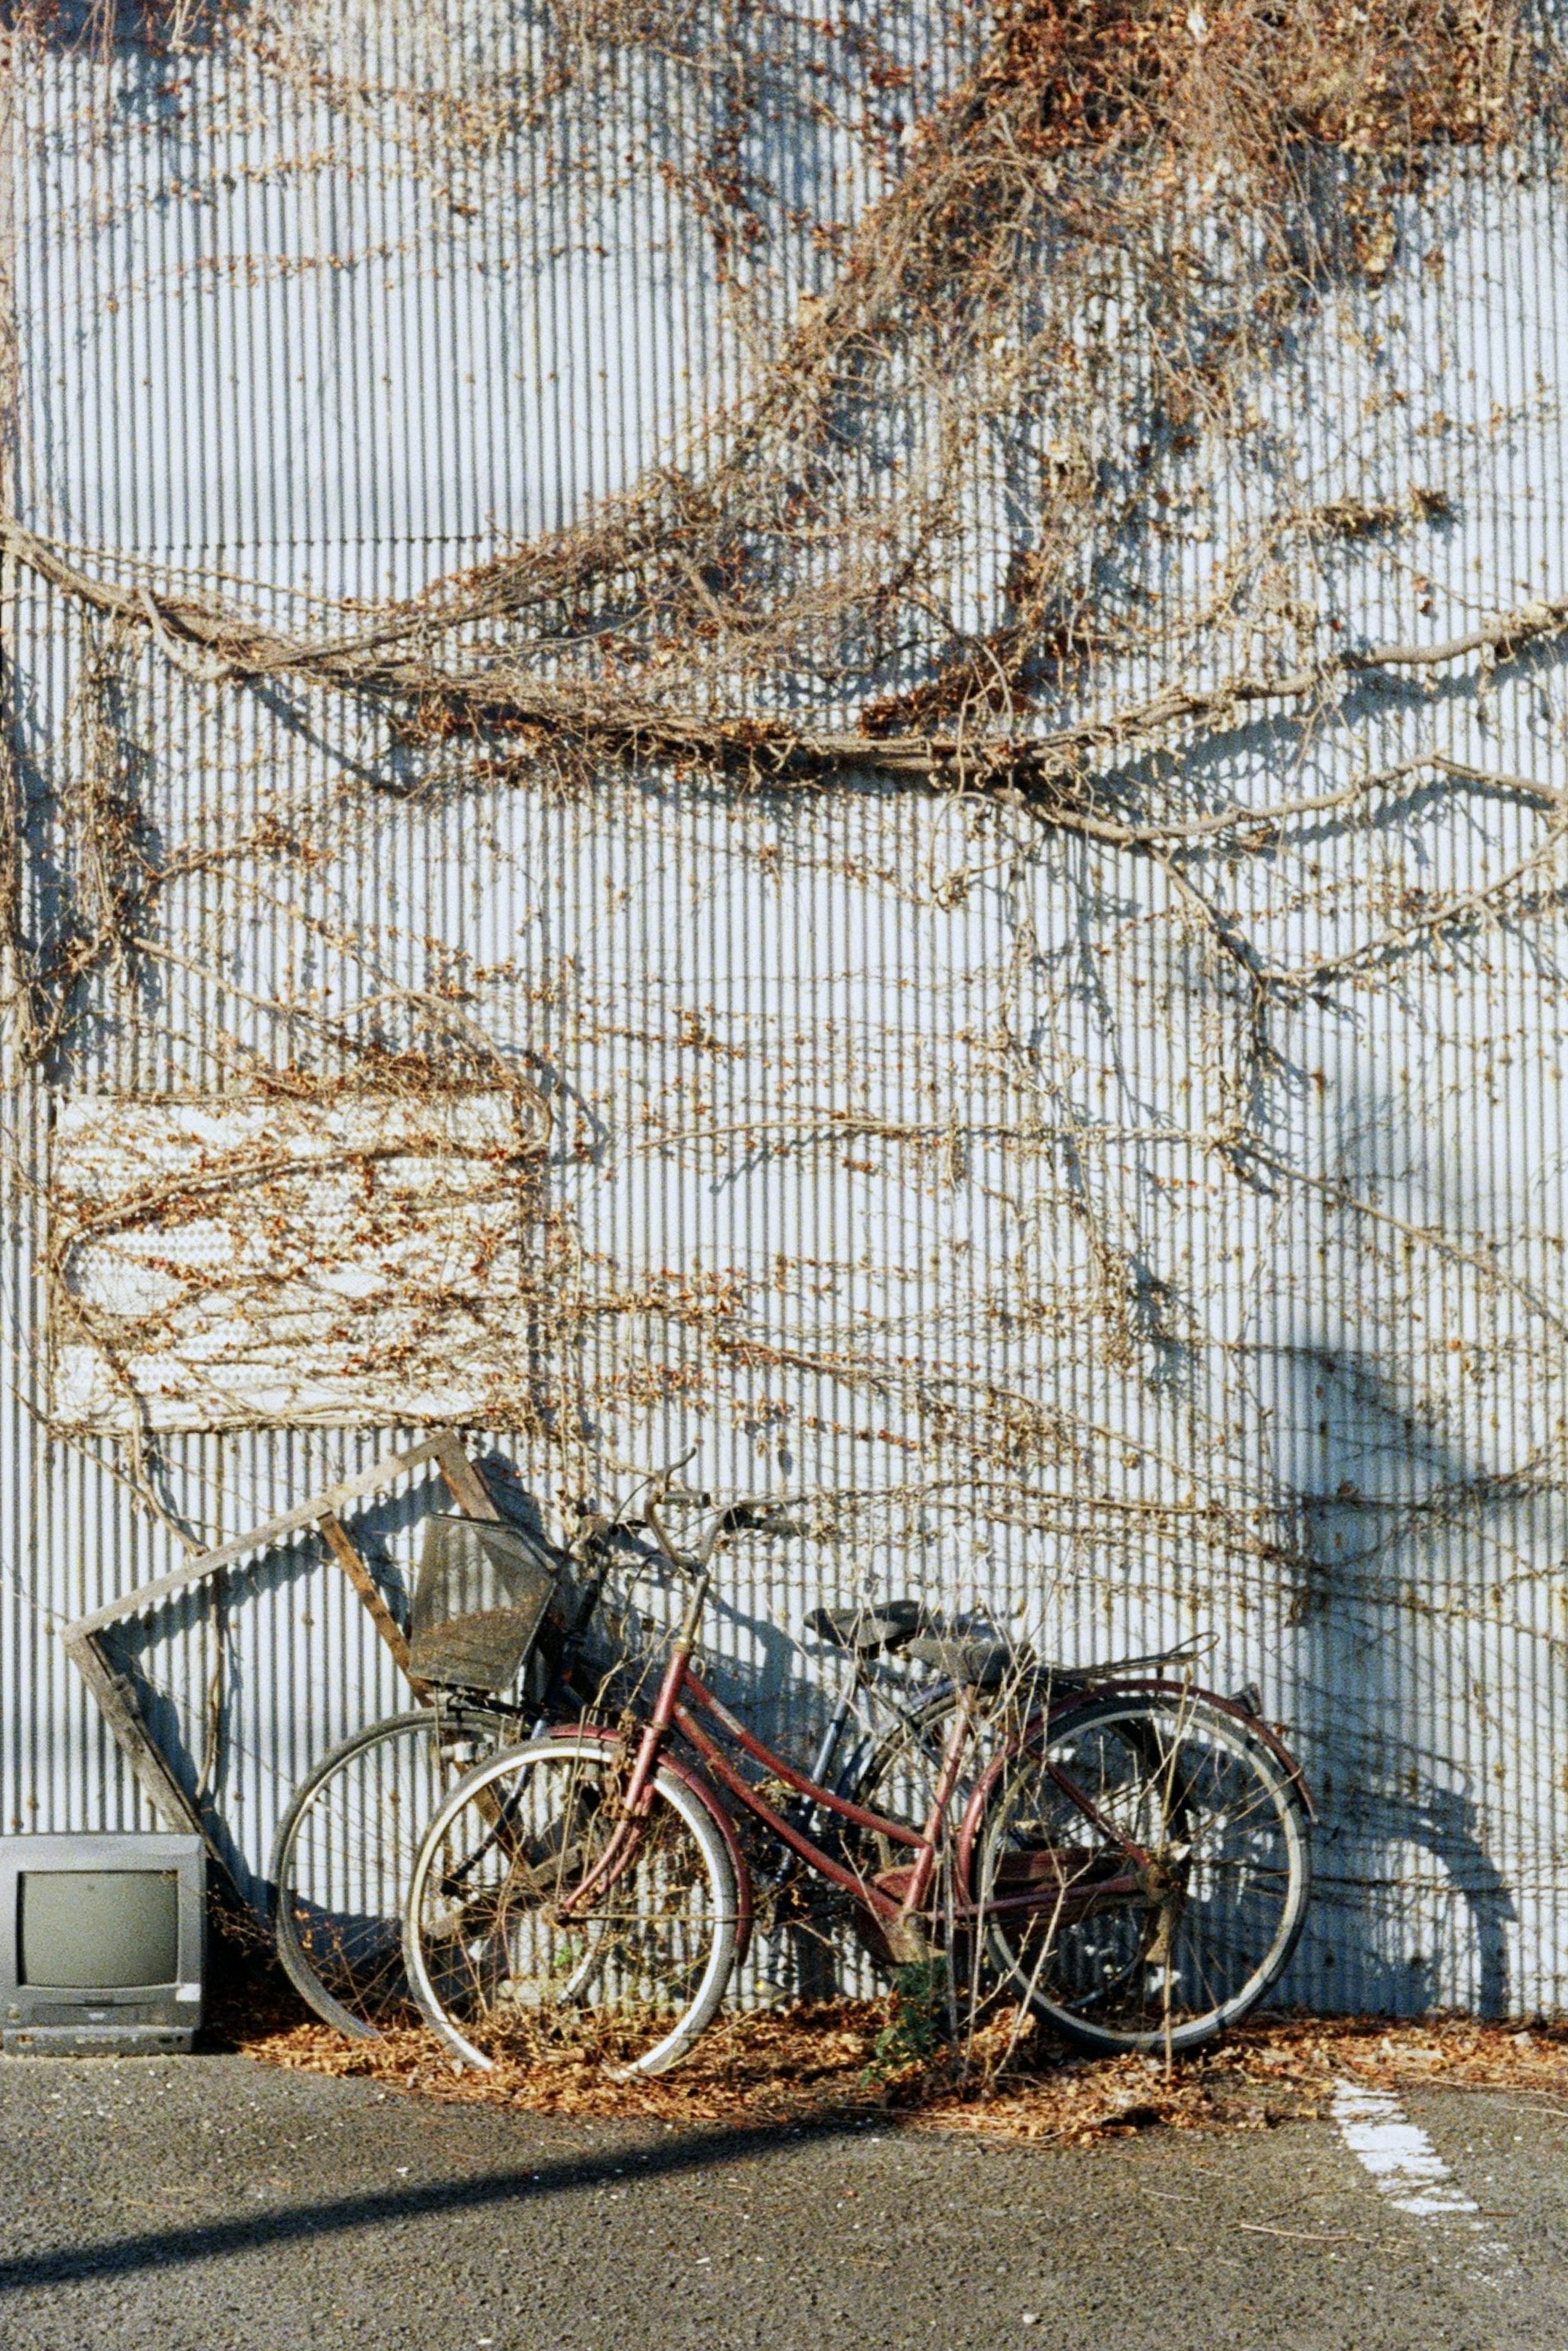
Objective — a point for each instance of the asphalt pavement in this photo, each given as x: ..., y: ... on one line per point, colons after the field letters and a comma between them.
x: 199, y: 2204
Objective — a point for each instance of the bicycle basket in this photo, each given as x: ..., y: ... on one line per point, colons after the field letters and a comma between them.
x: 480, y: 1596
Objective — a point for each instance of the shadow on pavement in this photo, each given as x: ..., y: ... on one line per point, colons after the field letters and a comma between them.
x: 171, y: 2249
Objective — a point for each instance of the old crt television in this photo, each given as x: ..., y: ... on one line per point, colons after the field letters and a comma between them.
x: 101, y: 1943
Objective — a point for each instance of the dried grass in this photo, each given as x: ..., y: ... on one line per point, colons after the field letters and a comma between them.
x: 811, y: 2063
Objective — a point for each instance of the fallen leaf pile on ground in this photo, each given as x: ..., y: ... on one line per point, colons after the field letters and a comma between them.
x: 802, y: 2063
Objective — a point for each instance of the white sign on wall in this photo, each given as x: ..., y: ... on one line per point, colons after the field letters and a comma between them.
x: 219, y: 1263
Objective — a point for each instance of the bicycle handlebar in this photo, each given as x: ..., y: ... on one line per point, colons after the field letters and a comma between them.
x: 659, y: 1487
x: 662, y: 1487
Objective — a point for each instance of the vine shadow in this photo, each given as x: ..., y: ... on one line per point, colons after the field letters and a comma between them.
x: 1394, y: 1507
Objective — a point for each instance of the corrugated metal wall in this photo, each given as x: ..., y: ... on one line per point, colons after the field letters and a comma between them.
x: 893, y: 1163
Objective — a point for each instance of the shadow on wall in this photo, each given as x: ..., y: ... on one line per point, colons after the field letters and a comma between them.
x: 1410, y: 1912
x: 132, y: 27
x: 214, y: 1752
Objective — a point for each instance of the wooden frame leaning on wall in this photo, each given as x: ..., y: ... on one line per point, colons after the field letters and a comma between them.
x: 115, y: 1691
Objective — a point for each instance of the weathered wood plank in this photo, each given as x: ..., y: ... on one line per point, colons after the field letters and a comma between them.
x: 116, y: 1703
x: 309, y: 1513
x: 114, y: 1693
x: 364, y: 1583
x: 466, y: 1483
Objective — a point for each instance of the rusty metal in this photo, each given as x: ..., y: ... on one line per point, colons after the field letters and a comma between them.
x: 480, y: 1598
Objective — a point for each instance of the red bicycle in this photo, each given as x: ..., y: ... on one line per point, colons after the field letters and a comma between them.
x: 1119, y: 1851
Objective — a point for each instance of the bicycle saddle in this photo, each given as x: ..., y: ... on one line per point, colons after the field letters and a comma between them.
x: 884, y: 1624
x: 983, y: 1664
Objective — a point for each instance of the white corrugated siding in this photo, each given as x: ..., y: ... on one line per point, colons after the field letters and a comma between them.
x: 848, y: 1079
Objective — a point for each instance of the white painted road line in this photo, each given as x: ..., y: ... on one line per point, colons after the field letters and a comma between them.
x: 1405, y: 2167
x: 1404, y: 2164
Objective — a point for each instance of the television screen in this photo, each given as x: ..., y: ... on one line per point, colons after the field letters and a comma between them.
x: 98, y: 1928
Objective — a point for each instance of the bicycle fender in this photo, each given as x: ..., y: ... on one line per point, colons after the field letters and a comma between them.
x: 984, y: 1787
x: 1253, y: 1722
x: 708, y: 1797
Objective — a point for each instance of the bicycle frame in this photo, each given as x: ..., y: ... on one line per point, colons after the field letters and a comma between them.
x: 896, y: 1896
x: 893, y: 1907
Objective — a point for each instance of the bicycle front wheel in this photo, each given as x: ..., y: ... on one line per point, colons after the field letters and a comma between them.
x: 1144, y: 1874
x: 344, y: 1858
x: 501, y: 1961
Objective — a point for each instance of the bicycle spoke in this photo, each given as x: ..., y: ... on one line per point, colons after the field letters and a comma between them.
x: 1165, y: 1952
x: 344, y: 1859
x: 505, y: 1963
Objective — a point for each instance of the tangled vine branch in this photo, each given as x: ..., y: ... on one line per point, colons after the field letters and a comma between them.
x: 914, y: 549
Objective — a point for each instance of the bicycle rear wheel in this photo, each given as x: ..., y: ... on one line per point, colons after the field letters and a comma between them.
x: 1143, y: 1875
x: 503, y: 1968
x: 344, y: 1857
